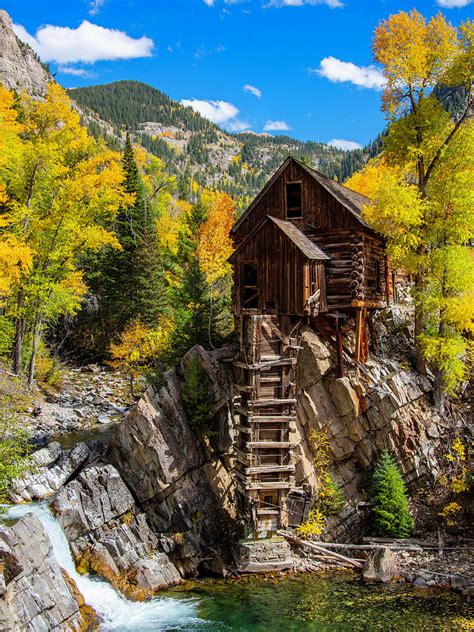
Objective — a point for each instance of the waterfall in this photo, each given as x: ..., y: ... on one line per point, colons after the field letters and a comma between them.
x: 116, y: 613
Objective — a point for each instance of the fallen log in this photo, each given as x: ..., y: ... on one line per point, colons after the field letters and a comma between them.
x: 368, y: 547
x: 321, y: 549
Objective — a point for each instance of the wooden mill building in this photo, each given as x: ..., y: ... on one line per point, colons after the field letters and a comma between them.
x: 304, y: 253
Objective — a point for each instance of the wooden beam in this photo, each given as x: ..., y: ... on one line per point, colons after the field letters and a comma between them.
x: 321, y: 549
x: 358, y: 335
x: 369, y: 304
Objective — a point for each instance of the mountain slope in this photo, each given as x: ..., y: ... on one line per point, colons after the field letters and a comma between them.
x: 193, y: 146
x: 20, y: 66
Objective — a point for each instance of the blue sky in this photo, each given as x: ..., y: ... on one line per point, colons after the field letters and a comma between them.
x: 301, y: 67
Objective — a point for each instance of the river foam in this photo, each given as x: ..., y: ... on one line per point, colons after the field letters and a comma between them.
x: 116, y: 613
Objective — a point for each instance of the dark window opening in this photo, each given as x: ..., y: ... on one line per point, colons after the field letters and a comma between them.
x: 294, y: 206
x: 271, y: 306
x: 249, y: 286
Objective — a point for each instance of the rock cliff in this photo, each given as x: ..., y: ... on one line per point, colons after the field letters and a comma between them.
x: 20, y: 67
x: 35, y: 593
x: 110, y: 536
x: 183, y: 482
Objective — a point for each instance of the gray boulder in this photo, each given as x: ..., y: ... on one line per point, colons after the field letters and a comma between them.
x: 381, y: 566
x: 52, y: 467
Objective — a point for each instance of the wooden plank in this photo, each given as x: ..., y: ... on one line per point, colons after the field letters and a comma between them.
x: 271, y: 444
x: 269, y: 469
x: 271, y: 402
x: 270, y: 485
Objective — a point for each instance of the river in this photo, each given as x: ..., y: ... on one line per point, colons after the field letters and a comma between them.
x: 312, y: 603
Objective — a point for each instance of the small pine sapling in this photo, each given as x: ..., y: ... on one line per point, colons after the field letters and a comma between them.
x: 390, y: 499
x: 196, y: 395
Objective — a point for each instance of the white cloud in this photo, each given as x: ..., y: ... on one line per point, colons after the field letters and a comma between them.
x: 276, y: 126
x: 76, y: 72
x: 339, y: 71
x: 333, y: 4
x: 453, y: 4
x: 237, y: 125
x: 253, y: 90
x: 210, y: 3
x: 218, y: 112
x: 341, y: 143
x: 87, y: 43
x: 95, y: 6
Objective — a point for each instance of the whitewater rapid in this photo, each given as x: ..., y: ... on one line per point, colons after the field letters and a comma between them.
x: 117, y: 614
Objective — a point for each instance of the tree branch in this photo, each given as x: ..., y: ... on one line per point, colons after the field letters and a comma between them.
x: 447, y: 140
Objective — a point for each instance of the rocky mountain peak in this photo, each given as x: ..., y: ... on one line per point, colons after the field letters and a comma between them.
x: 20, y: 66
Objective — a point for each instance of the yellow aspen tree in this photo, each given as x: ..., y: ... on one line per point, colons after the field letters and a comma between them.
x: 64, y: 188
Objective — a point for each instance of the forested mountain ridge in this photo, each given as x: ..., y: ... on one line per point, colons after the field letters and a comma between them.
x: 194, y: 147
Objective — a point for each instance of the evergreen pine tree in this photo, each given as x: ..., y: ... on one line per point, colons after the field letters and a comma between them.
x: 197, y: 315
x: 196, y: 395
x: 127, y: 284
x: 390, y: 500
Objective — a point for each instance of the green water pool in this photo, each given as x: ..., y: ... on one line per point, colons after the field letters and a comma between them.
x: 320, y: 603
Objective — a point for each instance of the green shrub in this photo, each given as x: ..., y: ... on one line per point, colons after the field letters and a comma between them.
x: 390, y: 500
x: 330, y: 498
x: 48, y: 370
x: 7, y: 333
x: 14, y: 444
x: 196, y: 394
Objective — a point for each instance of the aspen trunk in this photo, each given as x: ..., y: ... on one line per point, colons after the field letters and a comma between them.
x: 20, y: 325
x: 34, y: 351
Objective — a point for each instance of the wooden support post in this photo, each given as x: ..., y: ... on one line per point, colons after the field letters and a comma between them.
x: 366, y: 336
x: 387, y: 281
x: 340, y: 357
x: 358, y: 336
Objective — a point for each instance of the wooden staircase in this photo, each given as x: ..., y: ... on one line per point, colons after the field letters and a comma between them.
x: 265, y: 412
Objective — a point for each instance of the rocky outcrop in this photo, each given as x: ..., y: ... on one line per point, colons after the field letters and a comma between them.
x: 20, y: 67
x: 109, y: 535
x: 383, y: 404
x: 182, y: 481
x: 35, y: 593
x: 52, y: 468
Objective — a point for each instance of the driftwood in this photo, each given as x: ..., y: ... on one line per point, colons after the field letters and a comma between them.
x: 320, y: 549
x: 368, y: 547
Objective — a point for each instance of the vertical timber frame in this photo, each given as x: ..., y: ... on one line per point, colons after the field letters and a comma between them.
x: 265, y: 406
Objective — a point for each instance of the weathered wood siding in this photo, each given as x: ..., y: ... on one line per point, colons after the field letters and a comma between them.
x: 281, y: 276
x: 320, y: 208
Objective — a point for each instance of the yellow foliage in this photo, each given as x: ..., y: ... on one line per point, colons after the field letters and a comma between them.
x: 215, y: 245
x: 137, y: 345
x: 15, y: 261
x: 169, y: 223
x: 415, y: 54
x: 62, y: 188
x: 456, y: 476
x: 459, y: 449
x: 313, y: 526
x: 449, y: 513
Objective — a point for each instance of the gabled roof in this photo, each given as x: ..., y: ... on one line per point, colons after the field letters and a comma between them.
x: 300, y: 240
x: 354, y: 202
x: 310, y: 250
